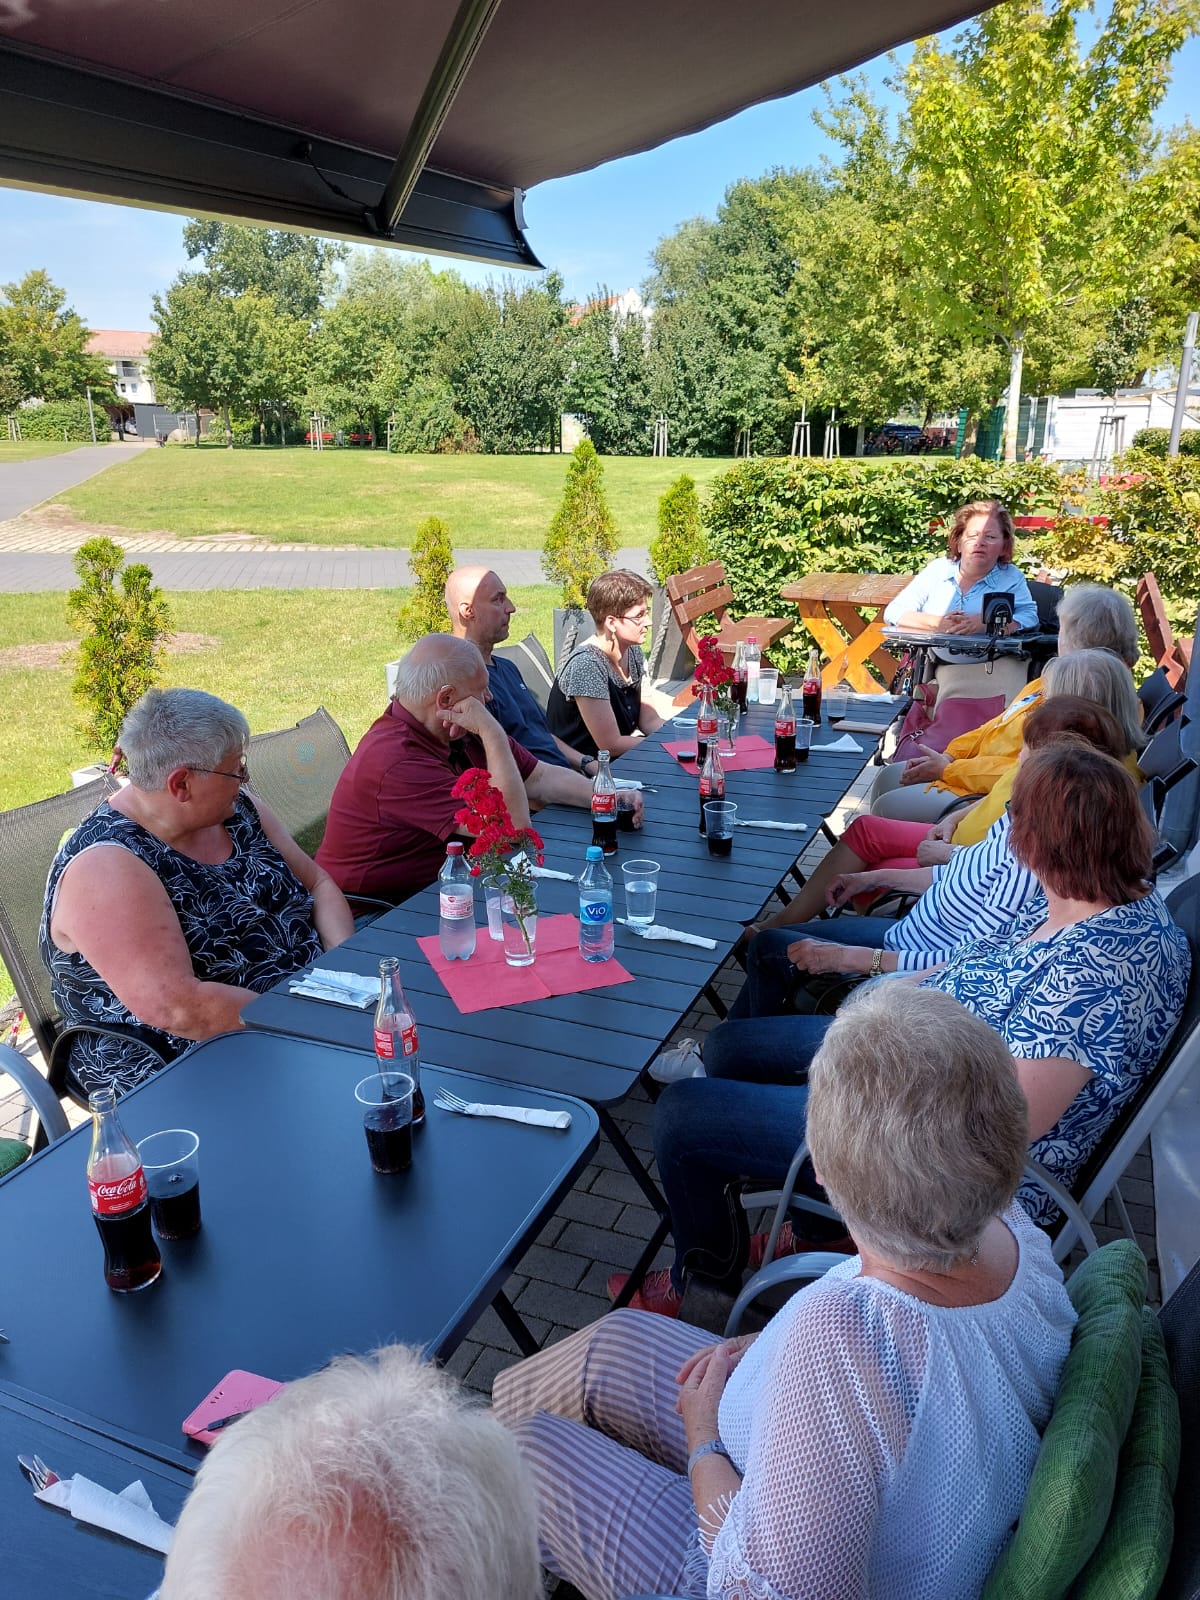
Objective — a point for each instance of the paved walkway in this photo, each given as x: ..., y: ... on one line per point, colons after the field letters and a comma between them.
x: 25, y: 484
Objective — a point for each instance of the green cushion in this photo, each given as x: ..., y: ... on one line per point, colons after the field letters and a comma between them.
x: 12, y: 1153
x: 1071, y: 1491
x: 1130, y: 1561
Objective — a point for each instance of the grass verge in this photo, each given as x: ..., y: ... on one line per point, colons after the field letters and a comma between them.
x: 32, y: 450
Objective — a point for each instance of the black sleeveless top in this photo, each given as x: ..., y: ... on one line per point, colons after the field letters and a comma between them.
x: 589, y: 673
x: 247, y: 921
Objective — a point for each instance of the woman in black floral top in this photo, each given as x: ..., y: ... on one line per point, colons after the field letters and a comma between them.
x: 180, y: 898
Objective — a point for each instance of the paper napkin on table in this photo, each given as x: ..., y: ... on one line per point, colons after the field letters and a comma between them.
x: 530, y: 1115
x: 521, y: 859
x: 341, y: 988
x: 845, y: 743
x: 627, y: 783
x: 129, y: 1514
x: 656, y: 930
x: 769, y: 822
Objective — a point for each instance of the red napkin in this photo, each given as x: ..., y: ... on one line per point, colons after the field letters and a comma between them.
x: 487, y: 980
x: 753, y: 753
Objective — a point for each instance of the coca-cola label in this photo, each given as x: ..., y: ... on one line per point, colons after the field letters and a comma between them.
x: 706, y: 727
x: 112, y: 1197
x: 783, y: 729
x: 385, y: 1042
x: 605, y: 805
x: 456, y: 904
x: 710, y: 790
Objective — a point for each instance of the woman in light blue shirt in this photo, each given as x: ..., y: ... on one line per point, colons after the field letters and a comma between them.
x: 948, y: 595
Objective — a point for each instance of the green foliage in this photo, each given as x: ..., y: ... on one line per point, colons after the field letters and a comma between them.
x: 772, y: 522
x: 426, y: 421
x: 1156, y: 519
x: 124, y: 633
x: 69, y: 417
x: 680, y: 543
x: 582, y: 539
x: 432, y: 561
x: 42, y: 355
x: 291, y: 269
x: 1156, y: 441
x: 1118, y: 359
x: 607, y: 383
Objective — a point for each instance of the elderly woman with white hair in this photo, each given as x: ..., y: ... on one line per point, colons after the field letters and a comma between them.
x: 179, y: 899
x: 878, y: 1437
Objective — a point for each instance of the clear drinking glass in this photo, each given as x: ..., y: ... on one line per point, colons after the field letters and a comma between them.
x: 720, y: 817
x: 171, y: 1161
x: 836, y: 701
x: 387, y: 1102
x: 493, y: 895
x: 768, y: 686
x: 641, y: 891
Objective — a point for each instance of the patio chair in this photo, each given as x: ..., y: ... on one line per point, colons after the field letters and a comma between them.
x: 295, y: 772
x: 43, y: 1101
x: 705, y: 592
x: 1160, y: 702
x: 1180, y: 1323
x: 531, y: 661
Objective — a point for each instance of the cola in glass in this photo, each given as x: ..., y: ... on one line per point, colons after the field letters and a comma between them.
x: 785, y: 733
x: 397, y: 1046
x: 120, y: 1200
x: 604, y: 806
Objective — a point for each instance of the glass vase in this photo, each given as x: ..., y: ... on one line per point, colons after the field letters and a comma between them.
x: 519, y: 916
x: 493, y: 894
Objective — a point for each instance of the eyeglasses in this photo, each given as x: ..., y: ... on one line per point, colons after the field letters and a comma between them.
x: 636, y: 617
x: 242, y: 775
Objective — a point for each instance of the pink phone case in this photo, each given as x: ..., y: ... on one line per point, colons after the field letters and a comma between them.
x: 237, y: 1391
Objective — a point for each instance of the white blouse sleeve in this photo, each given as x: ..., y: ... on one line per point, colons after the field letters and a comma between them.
x: 829, y: 1431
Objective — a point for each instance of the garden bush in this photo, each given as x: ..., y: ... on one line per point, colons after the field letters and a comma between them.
x: 1156, y: 441
x: 680, y: 543
x: 582, y: 539
x: 125, y: 631
x: 58, y: 417
x: 432, y: 561
x: 772, y: 521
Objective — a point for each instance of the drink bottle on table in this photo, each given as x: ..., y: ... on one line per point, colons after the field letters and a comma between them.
x: 753, y: 658
x: 738, y: 686
x: 456, y: 906
x: 810, y: 690
x: 120, y: 1199
x: 712, y: 779
x: 397, y: 1047
x: 706, y: 724
x: 604, y: 806
x: 785, y: 733
x: 595, y: 908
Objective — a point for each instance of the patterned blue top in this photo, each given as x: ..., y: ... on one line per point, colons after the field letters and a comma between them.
x: 1106, y: 993
x: 247, y: 921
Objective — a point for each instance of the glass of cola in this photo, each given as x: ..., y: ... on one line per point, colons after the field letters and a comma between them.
x: 172, y: 1166
x: 387, y: 1102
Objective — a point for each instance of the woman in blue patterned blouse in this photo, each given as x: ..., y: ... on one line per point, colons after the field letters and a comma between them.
x: 179, y: 898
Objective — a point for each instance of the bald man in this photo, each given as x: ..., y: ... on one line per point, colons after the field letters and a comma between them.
x: 392, y: 810
x: 480, y: 611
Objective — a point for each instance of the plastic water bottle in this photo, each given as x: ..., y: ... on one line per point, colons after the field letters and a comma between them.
x: 753, y: 669
x: 595, y: 908
x: 456, y: 906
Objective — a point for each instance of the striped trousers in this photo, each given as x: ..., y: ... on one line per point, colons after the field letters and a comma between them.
x: 595, y: 1420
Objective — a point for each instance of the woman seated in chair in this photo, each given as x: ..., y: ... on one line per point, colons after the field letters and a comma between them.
x: 947, y: 596
x: 179, y: 899
x: 597, y: 700
x: 878, y: 1437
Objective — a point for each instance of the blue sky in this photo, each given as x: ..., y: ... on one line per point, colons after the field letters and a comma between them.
x: 596, y: 228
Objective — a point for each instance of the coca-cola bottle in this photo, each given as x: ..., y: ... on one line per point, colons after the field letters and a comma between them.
x: 706, y: 724
x: 712, y: 779
x: 604, y: 806
x: 738, y: 687
x: 120, y: 1199
x: 810, y: 690
x: 785, y: 733
x: 396, y: 1046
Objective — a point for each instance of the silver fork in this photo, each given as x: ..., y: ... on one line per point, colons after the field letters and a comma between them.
x: 36, y: 1470
x: 450, y: 1102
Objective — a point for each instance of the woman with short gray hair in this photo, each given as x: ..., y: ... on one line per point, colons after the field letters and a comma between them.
x: 179, y: 899
x: 879, y: 1435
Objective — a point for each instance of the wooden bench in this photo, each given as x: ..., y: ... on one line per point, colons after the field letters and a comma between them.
x: 1171, y: 654
x: 705, y: 592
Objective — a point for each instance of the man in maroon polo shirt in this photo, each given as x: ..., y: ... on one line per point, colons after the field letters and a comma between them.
x: 392, y: 810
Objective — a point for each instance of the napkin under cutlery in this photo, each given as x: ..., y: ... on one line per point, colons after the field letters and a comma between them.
x: 656, y: 930
x: 130, y: 1514
x: 340, y: 988
x: 846, y: 743
x: 769, y: 822
x: 530, y: 1115
x: 522, y: 860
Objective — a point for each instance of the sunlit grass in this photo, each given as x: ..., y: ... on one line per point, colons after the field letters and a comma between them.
x: 30, y: 450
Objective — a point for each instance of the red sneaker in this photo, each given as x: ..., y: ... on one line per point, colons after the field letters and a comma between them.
x: 657, y: 1293
x: 789, y: 1245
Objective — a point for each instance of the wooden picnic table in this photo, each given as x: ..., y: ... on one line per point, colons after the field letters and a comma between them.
x: 831, y: 606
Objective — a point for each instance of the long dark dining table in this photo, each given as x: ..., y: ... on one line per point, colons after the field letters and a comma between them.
x: 304, y: 1252
x: 596, y: 1044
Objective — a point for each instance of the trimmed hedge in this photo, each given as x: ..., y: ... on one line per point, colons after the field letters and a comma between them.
x: 1156, y: 441
x: 50, y: 421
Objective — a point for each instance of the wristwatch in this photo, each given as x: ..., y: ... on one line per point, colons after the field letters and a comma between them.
x: 584, y: 763
x: 711, y: 1447
x: 876, y: 966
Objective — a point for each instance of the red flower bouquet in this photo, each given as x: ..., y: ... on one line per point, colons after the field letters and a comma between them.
x: 711, y: 672
x: 500, y: 850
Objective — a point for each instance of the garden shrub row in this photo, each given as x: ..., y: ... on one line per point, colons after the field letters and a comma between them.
x: 58, y: 417
x: 1156, y: 441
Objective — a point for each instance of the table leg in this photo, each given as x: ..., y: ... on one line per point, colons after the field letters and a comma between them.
x: 630, y: 1157
x: 865, y: 643
x: 814, y: 615
x: 637, y: 1277
x: 511, y: 1318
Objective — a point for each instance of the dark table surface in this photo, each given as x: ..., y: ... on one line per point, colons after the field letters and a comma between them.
x: 44, y: 1553
x: 594, y: 1045
x: 304, y: 1252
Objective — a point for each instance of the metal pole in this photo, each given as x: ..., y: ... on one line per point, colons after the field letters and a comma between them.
x: 1185, y: 378
x: 87, y: 389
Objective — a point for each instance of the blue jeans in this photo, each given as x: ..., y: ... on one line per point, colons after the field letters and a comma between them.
x: 707, y: 1134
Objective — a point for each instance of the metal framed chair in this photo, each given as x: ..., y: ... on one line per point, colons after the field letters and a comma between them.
x: 42, y: 1099
x: 1160, y: 702
x: 295, y: 772
x: 531, y: 661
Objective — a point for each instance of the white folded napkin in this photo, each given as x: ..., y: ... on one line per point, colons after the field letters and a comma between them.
x: 521, y: 859
x: 530, y: 1115
x: 627, y: 783
x: 129, y: 1514
x: 769, y: 822
x: 846, y: 743
x: 340, y: 988
x: 656, y: 930
x: 683, y: 722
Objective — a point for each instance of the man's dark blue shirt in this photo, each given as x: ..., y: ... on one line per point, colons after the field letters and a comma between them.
x: 518, y: 713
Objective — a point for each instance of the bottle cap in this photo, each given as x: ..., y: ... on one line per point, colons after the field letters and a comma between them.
x: 454, y: 848
x: 594, y: 853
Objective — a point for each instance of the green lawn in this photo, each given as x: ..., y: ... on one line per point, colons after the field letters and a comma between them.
x: 279, y: 654
x: 367, y: 497
x: 30, y: 450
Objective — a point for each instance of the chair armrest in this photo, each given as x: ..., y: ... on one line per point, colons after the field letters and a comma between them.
x: 788, y: 1269
x: 366, y: 908
x: 57, y: 1070
x: 1076, y: 1227
x: 37, y: 1091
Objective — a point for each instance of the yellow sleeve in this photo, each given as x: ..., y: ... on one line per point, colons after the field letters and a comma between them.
x: 979, y: 818
x: 982, y: 756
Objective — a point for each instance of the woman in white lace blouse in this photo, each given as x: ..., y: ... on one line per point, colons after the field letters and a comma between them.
x: 877, y: 1438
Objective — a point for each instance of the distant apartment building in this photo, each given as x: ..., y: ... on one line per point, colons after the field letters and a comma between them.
x: 126, y: 352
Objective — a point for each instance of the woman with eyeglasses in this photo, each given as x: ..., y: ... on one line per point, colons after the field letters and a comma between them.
x: 596, y: 702
x: 179, y: 899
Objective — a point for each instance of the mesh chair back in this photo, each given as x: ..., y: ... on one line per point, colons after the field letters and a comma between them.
x: 532, y: 662
x: 29, y: 840
x: 295, y: 771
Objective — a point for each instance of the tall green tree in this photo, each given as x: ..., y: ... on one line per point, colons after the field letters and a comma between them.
x: 1023, y: 149
x: 607, y: 379
x: 292, y: 269
x: 215, y: 351
x: 42, y: 339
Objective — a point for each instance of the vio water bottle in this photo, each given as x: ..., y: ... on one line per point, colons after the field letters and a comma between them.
x: 595, y: 908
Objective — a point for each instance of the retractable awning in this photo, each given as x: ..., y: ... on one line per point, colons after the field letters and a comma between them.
x: 413, y: 122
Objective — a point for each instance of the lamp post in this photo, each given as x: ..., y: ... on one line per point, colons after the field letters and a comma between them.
x: 1185, y: 378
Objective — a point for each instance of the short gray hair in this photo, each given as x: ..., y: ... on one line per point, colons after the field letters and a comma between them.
x: 170, y: 728
x: 1105, y: 680
x: 1095, y: 618
x: 916, y: 1124
x: 437, y: 659
x: 374, y: 1477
